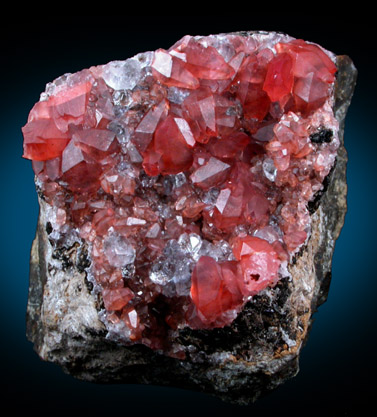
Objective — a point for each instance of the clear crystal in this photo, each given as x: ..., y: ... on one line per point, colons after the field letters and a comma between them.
x: 122, y: 75
x: 269, y: 169
x: 118, y: 250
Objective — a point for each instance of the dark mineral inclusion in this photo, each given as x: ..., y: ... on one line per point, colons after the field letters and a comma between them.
x: 238, y: 363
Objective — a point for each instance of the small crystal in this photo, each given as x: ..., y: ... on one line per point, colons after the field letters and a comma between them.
x: 122, y: 75
x: 118, y: 251
x: 269, y: 169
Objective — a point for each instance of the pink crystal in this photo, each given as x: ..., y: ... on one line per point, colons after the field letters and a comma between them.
x: 259, y: 263
x: 214, y: 291
x: 189, y: 177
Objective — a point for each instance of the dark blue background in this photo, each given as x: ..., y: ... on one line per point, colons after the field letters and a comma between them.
x: 337, y: 364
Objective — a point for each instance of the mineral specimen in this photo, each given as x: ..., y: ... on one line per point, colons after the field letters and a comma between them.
x: 182, y: 197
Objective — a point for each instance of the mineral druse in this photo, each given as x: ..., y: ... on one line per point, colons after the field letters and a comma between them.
x: 183, y: 178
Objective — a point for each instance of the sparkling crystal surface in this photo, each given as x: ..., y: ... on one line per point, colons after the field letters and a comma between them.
x: 187, y: 173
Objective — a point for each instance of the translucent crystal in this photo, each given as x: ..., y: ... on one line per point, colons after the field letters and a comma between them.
x: 269, y: 169
x: 173, y: 270
x: 118, y: 251
x: 122, y: 75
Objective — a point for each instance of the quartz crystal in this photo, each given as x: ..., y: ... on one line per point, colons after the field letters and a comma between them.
x: 187, y: 174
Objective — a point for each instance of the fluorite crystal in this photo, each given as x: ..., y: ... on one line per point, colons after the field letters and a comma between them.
x: 187, y: 173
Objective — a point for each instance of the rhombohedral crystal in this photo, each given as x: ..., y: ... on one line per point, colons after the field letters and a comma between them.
x: 181, y: 195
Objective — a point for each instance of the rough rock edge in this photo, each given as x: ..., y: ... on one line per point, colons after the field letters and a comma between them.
x: 258, y: 352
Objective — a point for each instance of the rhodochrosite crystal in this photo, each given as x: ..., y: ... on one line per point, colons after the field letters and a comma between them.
x: 187, y: 173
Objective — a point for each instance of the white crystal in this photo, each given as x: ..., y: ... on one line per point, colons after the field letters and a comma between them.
x: 132, y: 315
x: 180, y: 203
x: 207, y: 109
x: 133, y: 153
x: 195, y: 241
x: 210, y: 197
x: 269, y: 169
x: 212, y: 167
x: 179, y: 179
x: 153, y: 231
x: 117, y: 331
x: 66, y: 80
x: 132, y: 221
x: 223, y: 46
x: 163, y: 63
x: 72, y: 155
x: 184, y: 127
x: 118, y: 250
x: 191, y: 244
x: 222, y: 199
x: 179, y: 55
x: 145, y: 58
x: 220, y: 251
x: 122, y: 75
x: 269, y: 233
x: 150, y: 120
x: 173, y: 270
x: 177, y: 95
x: 158, y: 277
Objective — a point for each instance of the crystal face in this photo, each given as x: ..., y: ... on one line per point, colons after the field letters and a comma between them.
x: 187, y: 173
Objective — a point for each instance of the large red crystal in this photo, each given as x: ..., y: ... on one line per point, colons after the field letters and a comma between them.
x: 259, y: 263
x: 214, y: 291
x: 169, y: 152
x: 187, y: 174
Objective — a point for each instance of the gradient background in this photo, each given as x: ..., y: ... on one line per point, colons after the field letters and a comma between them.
x: 338, y: 364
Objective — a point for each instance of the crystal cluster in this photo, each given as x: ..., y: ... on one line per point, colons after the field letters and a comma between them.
x: 187, y: 173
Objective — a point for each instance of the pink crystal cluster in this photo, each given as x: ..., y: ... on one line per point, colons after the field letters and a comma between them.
x: 188, y: 174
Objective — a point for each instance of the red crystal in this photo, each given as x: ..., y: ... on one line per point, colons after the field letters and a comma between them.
x: 172, y: 71
x: 240, y: 201
x: 43, y: 140
x: 204, y: 62
x: 187, y: 174
x: 229, y: 147
x: 309, y: 58
x: 214, y: 291
x: 259, y: 263
x: 279, y: 78
x: 210, y: 173
x: 116, y: 298
x: 170, y: 151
